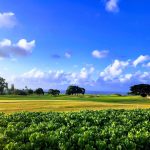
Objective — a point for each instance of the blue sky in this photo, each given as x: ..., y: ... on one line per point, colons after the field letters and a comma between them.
x: 101, y: 45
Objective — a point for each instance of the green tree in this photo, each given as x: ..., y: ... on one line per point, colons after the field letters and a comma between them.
x: 39, y: 91
x: 30, y: 91
x: 20, y: 92
x: 3, y: 85
x: 53, y: 92
x: 75, y: 90
x: 71, y: 90
x: 83, y: 91
x: 50, y: 91
x: 140, y: 89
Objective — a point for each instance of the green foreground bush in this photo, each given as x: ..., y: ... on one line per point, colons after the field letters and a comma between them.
x: 90, y: 130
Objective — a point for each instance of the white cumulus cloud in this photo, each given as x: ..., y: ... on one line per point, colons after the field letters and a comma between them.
x: 140, y: 60
x: 114, y: 70
x: 7, y: 20
x: 21, y: 48
x: 99, y: 54
x: 119, y: 75
x: 36, y: 77
x: 112, y: 5
x: 125, y: 78
x: 34, y: 73
x: 25, y: 45
x: 85, y: 73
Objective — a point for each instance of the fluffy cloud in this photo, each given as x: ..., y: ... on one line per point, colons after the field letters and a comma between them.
x: 114, y: 70
x: 34, y: 73
x: 118, y: 76
x: 112, y: 5
x: 141, y: 59
x: 21, y: 48
x: 144, y: 76
x: 36, y: 77
x: 125, y: 81
x: 23, y: 44
x: 99, y: 54
x: 125, y: 78
x: 85, y: 73
x: 140, y: 77
x: 7, y: 20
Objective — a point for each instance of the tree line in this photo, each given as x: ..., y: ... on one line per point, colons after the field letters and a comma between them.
x: 139, y: 89
x: 71, y: 90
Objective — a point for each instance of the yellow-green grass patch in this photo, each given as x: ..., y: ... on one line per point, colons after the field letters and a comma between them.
x: 11, y: 106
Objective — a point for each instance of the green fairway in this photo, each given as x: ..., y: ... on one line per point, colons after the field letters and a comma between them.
x: 95, y: 98
x: 10, y: 104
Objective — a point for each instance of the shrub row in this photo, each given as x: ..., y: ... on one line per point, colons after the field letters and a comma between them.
x: 90, y: 130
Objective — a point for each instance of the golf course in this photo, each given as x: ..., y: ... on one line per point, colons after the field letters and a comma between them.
x: 65, y: 103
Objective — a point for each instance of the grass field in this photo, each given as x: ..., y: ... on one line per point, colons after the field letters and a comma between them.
x: 10, y: 104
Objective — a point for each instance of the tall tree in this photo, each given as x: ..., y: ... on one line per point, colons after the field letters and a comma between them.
x: 3, y: 85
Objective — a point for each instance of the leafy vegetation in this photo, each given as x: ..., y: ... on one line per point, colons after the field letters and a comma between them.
x: 39, y: 91
x: 53, y: 92
x: 109, y: 129
x: 75, y: 90
x: 20, y: 92
x: 30, y: 91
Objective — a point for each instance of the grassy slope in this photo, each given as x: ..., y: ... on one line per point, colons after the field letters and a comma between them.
x: 9, y: 104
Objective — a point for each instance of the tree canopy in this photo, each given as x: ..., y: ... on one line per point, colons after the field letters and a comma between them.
x: 140, y: 89
x: 30, y: 91
x: 53, y: 92
x: 20, y: 92
x: 39, y: 91
x: 75, y: 90
x: 3, y: 85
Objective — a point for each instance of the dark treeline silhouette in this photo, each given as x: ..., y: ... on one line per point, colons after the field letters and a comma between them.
x: 71, y: 90
x: 39, y: 91
x: 4, y: 89
x: 75, y: 90
x: 53, y: 92
x: 140, y: 89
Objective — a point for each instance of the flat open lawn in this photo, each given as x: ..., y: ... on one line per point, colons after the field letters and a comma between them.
x: 10, y: 104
